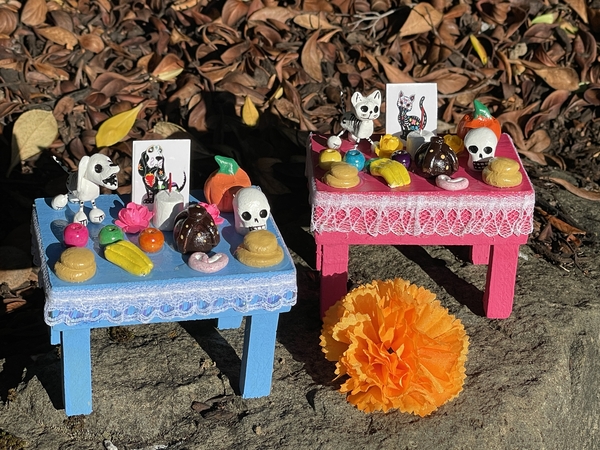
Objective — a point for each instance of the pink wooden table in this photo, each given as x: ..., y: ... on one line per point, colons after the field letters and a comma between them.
x: 492, y: 221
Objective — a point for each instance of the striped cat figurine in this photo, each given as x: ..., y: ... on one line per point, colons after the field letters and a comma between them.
x: 358, y: 123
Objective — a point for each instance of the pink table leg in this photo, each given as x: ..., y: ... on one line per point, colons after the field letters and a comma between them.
x: 500, y: 282
x: 334, y: 274
x: 480, y: 254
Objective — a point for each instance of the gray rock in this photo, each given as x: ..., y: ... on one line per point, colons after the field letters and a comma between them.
x: 531, y: 379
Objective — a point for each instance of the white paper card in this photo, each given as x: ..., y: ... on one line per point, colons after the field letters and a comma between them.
x: 410, y: 107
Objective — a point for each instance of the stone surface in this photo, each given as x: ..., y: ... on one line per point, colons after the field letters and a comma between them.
x: 531, y: 379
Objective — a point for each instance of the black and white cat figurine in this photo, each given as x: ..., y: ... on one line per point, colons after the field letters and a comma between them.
x: 358, y: 123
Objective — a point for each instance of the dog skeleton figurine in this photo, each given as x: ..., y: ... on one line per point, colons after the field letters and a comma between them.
x: 358, y: 123
x: 84, y: 186
x: 151, y: 167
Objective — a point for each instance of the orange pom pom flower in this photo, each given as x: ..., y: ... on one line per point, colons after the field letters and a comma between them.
x: 398, y: 346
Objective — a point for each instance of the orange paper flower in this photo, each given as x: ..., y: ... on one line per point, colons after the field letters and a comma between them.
x: 398, y: 346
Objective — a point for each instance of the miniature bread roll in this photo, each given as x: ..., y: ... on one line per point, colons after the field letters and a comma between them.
x: 342, y: 175
x: 76, y: 265
x: 502, y: 172
x: 259, y: 249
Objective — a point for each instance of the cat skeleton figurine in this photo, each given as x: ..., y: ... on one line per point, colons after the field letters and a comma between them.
x: 84, y: 186
x: 407, y: 122
x: 358, y: 124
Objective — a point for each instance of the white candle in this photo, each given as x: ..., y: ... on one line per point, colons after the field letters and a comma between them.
x: 415, y: 139
x: 166, y: 206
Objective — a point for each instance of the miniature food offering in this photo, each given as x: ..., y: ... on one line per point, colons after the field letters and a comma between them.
x: 76, y: 235
x: 481, y: 117
x: 394, y: 173
x: 76, y: 265
x: 201, y: 262
x: 342, y: 175
x: 195, y: 230
x: 436, y: 158
x: 259, y: 249
x: 328, y: 156
x: 110, y: 234
x: 128, y: 257
x: 356, y: 158
x: 151, y: 240
x: 222, y: 184
x: 502, y: 172
x: 451, y: 184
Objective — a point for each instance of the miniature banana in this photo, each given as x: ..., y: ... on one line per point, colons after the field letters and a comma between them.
x: 128, y: 257
x: 393, y: 172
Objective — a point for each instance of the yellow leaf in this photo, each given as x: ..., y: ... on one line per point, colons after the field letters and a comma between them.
x: 544, y: 18
x: 116, y: 128
x: 249, y: 113
x: 479, y: 49
x: 33, y: 131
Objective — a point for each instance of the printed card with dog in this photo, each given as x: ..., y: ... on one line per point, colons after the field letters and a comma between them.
x: 159, y: 165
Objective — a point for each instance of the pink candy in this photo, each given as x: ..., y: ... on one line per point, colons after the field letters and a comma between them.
x: 201, y: 262
x: 451, y: 184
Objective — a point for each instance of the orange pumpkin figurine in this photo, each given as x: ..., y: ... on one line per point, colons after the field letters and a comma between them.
x: 221, y: 185
x: 151, y: 240
x: 481, y: 117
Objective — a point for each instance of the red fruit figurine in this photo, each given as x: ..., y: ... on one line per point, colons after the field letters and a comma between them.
x: 76, y: 235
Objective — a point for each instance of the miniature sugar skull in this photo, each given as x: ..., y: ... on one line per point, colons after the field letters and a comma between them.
x: 250, y: 210
x: 84, y: 186
x: 481, y: 144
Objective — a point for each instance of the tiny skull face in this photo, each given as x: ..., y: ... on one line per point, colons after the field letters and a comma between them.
x: 251, y: 210
x: 102, y: 171
x: 481, y: 144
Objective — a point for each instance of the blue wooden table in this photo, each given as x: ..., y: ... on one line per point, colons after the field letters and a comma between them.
x: 171, y: 292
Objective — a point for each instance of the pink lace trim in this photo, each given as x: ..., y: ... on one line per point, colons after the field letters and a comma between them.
x: 510, y: 215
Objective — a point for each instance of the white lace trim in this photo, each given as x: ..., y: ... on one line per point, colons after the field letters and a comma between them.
x: 144, y: 301
x: 510, y: 215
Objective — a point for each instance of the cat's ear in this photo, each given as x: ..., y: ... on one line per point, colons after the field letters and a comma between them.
x: 376, y: 97
x: 412, y: 97
x: 357, y: 97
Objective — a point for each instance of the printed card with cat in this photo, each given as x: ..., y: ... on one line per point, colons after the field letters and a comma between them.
x: 410, y: 107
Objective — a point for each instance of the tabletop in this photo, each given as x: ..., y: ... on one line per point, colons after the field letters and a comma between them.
x: 171, y: 291
x: 420, y: 208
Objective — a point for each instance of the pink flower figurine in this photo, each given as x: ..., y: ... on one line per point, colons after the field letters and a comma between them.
x: 134, y: 218
x: 214, y: 212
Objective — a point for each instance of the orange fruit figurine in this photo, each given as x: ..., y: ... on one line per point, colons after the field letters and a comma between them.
x: 151, y: 240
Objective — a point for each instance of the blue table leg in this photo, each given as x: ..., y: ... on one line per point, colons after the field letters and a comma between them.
x: 226, y: 323
x: 77, y: 371
x: 259, y: 351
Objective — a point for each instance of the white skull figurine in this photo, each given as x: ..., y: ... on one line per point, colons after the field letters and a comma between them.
x: 481, y: 144
x: 250, y: 210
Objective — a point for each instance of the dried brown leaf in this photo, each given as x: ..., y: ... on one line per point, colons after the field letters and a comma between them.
x: 592, y: 94
x: 559, y: 77
x: 393, y: 74
x: 549, y: 110
x: 278, y: 13
x: 422, y: 18
x: 233, y: 11
x: 91, y: 42
x: 580, y: 7
x: 168, y: 68
x: 447, y: 82
x: 311, y: 57
x: 34, y: 12
x: 59, y: 36
x: 314, y: 21
x: 583, y: 193
x: 560, y: 225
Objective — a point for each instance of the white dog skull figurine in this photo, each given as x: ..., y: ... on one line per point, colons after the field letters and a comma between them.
x: 84, y: 186
x: 250, y: 210
x: 481, y: 144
